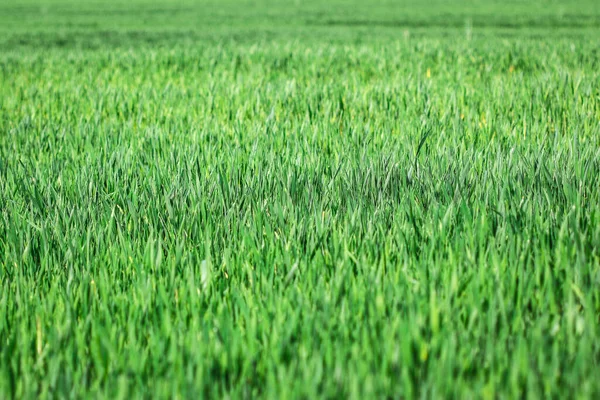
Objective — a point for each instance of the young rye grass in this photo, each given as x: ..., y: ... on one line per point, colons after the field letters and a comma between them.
x: 299, y: 200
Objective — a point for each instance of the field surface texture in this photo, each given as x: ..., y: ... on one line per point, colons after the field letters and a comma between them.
x: 300, y: 199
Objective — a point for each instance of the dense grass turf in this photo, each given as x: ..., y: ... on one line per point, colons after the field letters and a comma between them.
x: 297, y: 199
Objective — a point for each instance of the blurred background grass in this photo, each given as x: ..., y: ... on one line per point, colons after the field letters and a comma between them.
x: 92, y: 23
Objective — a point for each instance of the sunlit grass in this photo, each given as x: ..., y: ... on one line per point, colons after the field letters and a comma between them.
x: 313, y: 215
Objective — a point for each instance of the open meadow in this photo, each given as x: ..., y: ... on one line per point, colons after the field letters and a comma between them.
x: 299, y: 199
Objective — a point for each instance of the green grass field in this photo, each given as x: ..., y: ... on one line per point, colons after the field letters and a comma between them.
x: 300, y: 199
